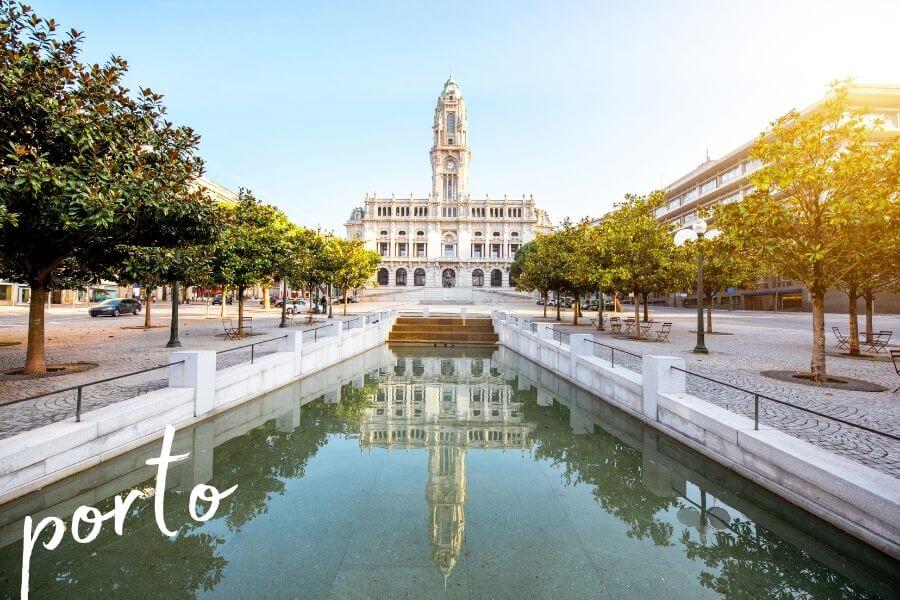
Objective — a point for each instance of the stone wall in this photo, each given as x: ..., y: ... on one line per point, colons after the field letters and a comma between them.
x: 855, y: 498
x: 196, y: 390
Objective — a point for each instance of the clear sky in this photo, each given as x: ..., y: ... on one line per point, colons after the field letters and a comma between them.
x: 312, y: 104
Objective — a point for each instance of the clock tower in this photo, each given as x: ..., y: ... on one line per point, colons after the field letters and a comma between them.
x: 450, y: 154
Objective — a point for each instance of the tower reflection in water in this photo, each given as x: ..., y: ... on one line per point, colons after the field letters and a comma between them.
x: 445, y: 406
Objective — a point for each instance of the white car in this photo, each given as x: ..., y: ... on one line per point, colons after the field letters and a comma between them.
x: 297, y: 306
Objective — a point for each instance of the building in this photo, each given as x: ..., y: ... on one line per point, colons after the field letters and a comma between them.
x: 448, y: 239
x: 727, y: 180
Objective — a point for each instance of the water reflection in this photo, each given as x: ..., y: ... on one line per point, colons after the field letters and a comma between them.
x: 445, y: 406
x: 532, y: 488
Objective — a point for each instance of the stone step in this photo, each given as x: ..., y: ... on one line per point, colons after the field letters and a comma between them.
x: 443, y: 330
x: 455, y: 336
x: 444, y: 321
x: 440, y: 328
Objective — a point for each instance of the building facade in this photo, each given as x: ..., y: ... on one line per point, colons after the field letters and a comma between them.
x: 448, y: 239
x: 727, y: 180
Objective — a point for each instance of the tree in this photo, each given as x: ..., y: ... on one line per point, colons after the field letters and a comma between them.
x: 298, y: 262
x: 351, y: 265
x: 528, y: 273
x: 643, y: 255
x: 823, y: 182
x: 581, y: 257
x: 86, y: 166
x: 248, y: 249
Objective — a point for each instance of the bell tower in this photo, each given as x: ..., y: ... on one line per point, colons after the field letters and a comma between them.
x: 450, y: 153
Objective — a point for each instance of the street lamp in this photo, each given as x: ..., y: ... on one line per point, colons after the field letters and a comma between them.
x: 284, y: 291
x: 697, y: 233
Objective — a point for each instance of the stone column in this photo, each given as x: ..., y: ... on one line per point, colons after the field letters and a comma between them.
x: 293, y: 342
x: 659, y: 378
x: 197, y: 370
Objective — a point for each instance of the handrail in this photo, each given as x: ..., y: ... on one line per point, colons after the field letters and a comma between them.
x: 559, y: 335
x: 251, y: 346
x: 757, y: 396
x: 613, y: 350
x: 81, y: 386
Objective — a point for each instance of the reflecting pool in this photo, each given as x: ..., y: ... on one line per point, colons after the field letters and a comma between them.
x: 426, y: 473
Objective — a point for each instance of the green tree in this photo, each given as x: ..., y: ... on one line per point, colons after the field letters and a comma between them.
x: 248, y: 250
x: 350, y: 264
x: 299, y: 259
x: 643, y: 256
x: 526, y: 270
x: 823, y: 182
x: 86, y: 165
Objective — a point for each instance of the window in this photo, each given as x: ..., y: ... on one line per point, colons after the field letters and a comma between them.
x: 448, y: 278
x: 450, y: 186
x: 449, y: 250
x: 477, y: 250
x: 732, y: 173
x: 496, y: 234
x: 420, y: 250
x: 708, y: 186
x: 752, y: 165
x: 496, y: 278
x: 400, y: 277
x: 419, y: 280
x: 513, y: 248
x: 420, y: 233
x: 449, y: 211
x: 383, y: 248
x: 451, y: 125
x: 514, y: 234
x: 478, y: 212
x: 495, y: 250
x: 401, y: 233
x: 478, y: 234
x: 420, y: 211
x: 401, y: 250
x: 382, y: 276
x: 496, y: 213
x: 515, y: 212
x: 382, y: 232
x: 477, y: 278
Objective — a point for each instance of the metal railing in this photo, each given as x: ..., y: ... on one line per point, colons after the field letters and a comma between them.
x: 756, y: 402
x: 372, y: 319
x: 561, y: 336
x: 251, y: 346
x: 598, y: 352
x: 80, y: 387
x: 315, y: 332
x: 345, y: 325
x: 533, y: 327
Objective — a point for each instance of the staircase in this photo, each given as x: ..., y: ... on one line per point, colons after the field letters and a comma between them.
x: 443, y: 331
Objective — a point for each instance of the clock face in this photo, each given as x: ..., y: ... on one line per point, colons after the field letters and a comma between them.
x: 450, y: 165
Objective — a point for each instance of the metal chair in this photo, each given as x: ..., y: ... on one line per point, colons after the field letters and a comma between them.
x: 843, y: 341
x: 879, y: 341
x: 230, y: 329
x: 895, y: 357
x: 615, y: 325
x: 629, y: 325
x: 663, y: 334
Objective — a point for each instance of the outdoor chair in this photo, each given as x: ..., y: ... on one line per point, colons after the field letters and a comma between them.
x: 615, y: 325
x: 843, y: 341
x: 644, y: 329
x: 879, y: 341
x: 895, y: 357
x: 230, y: 329
x: 629, y: 325
x: 248, y: 326
x: 663, y: 334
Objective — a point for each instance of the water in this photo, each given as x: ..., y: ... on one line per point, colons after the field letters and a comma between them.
x: 469, y: 474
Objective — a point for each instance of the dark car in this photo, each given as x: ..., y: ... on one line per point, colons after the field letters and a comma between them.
x: 218, y: 299
x: 115, y: 307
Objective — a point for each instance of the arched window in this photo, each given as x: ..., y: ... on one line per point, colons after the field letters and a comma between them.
x: 382, y: 276
x: 400, y: 278
x: 419, y: 277
x: 477, y: 278
x: 448, y: 279
x: 496, y: 278
x: 451, y: 127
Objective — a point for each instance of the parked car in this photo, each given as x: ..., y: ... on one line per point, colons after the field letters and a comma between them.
x: 114, y: 307
x: 218, y: 299
x: 296, y: 306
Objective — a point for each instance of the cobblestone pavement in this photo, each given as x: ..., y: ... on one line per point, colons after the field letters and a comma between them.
x: 117, y: 347
x: 760, y: 342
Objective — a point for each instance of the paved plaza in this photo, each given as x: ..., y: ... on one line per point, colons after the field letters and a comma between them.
x: 745, y: 344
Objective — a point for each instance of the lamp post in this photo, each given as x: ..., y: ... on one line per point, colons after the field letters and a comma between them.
x: 697, y: 232
x: 284, y: 291
x: 173, y: 327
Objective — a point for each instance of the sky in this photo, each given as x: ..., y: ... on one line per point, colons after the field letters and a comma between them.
x: 313, y: 104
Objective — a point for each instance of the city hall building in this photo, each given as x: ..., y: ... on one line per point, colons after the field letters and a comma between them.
x: 448, y: 244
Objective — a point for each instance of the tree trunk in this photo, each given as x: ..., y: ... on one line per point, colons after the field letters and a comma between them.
x: 853, y: 295
x: 558, y: 318
x: 617, y: 302
x: 869, y: 295
x: 147, y: 321
x: 222, y: 311
x: 240, y: 299
x: 546, y: 297
x: 600, y: 312
x: 637, y: 314
x: 646, y: 307
x: 575, y: 308
x: 709, y: 314
x: 817, y: 362
x: 34, y: 356
x: 345, y: 302
x: 266, y: 302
